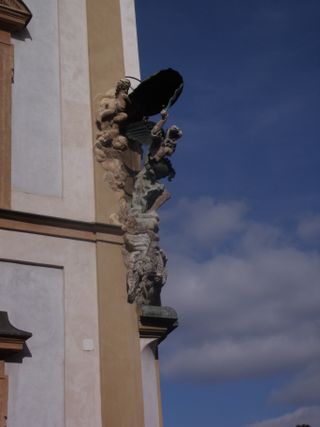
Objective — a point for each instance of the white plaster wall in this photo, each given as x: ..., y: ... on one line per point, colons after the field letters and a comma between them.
x: 129, y: 38
x: 36, y: 125
x: 52, y: 135
x: 149, y: 384
x: 82, y: 368
x: 33, y: 298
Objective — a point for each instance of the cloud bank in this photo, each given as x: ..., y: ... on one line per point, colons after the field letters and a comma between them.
x: 309, y: 415
x: 247, y: 294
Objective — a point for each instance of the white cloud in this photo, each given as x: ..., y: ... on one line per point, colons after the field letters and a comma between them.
x: 304, y: 388
x: 309, y: 228
x: 260, y: 292
x: 243, y: 358
x: 205, y: 222
x: 251, y: 308
x: 309, y: 415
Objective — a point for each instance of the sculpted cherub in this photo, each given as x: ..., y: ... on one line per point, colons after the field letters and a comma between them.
x: 164, y: 144
x: 113, y: 104
x: 168, y: 145
x: 157, y: 131
x: 111, y: 114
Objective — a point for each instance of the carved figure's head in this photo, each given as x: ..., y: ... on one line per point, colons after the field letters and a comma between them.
x: 123, y: 85
x: 174, y: 133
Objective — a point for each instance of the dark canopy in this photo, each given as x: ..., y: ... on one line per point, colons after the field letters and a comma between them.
x: 157, y: 92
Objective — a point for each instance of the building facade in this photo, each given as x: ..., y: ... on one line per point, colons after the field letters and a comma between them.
x: 92, y: 358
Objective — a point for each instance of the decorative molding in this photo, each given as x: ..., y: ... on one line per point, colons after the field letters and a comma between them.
x: 13, y: 4
x: 14, y: 15
x: 12, y: 339
x: 59, y: 227
x: 7, y: 330
x: 156, y: 322
x: 6, y: 70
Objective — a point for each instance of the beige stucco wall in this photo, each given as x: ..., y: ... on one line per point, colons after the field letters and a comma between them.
x: 106, y: 67
x: 33, y: 297
x: 93, y: 44
x: 121, y: 383
x: 113, y: 53
x: 81, y: 368
x: 150, y: 385
x: 72, y: 51
x: 52, y: 164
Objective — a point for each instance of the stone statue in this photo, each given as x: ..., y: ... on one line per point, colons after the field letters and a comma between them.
x: 109, y: 141
x: 122, y: 120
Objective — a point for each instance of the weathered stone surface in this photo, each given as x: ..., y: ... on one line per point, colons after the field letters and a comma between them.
x: 157, y: 322
x: 159, y: 312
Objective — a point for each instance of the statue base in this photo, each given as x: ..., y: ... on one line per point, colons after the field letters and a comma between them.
x: 156, y: 322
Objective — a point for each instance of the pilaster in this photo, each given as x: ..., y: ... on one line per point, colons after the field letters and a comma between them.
x: 6, y: 76
x: 14, y: 16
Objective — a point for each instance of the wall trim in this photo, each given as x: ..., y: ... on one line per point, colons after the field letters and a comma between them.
x: 6, y: 70
x: 59, y: 227
x: 14, y: 15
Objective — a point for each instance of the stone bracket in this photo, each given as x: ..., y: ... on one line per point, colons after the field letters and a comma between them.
x: 156, y: 322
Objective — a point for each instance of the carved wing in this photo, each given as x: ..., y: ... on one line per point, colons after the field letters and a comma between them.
x: 140, y: 132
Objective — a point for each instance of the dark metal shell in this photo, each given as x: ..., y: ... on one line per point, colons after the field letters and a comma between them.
x: 158, y: 92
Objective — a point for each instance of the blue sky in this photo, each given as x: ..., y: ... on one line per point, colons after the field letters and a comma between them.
x: 242, y: 228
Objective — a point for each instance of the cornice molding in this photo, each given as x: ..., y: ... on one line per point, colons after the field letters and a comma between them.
x: 12, y: 339
x: 14, y: 15
x: 59, y: 227
x: 156, y: 321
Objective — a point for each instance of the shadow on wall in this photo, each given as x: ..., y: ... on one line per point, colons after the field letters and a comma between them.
x: 18, y: 357
x: 22, y: 35
x: 13, y: 347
